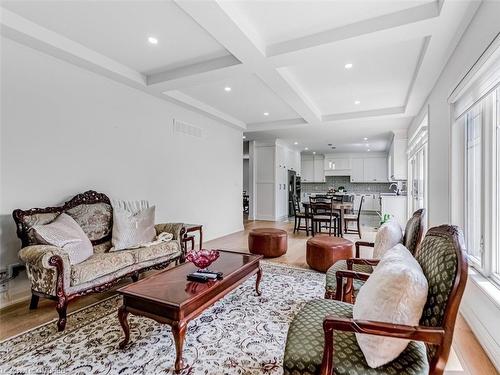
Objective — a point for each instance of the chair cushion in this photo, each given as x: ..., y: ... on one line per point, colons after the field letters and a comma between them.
x: 305, y: 340
x: 162, y: 249
x: 395, y: 293
x: 341, y: 265
x: 100, y: 265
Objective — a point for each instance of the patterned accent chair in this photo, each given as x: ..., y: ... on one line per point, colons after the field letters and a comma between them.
x: 48, y: 267
x: 412, y: 237
x: 321, y: 338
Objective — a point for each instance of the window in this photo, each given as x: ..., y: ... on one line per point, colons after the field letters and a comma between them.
x: 475, y: 162
x: 474, y: 222
x: 417, y: 168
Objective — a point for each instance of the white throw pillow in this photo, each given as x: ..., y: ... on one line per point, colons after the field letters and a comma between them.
x: 64, y: 232
x: 388, y: 236
x: 132, y: 229
x: 395, y: 292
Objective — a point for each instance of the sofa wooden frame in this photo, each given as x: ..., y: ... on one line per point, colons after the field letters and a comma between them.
x: 88, y: 197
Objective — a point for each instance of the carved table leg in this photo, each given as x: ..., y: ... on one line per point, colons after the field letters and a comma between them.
x: 257, y: 282
x: 122, y: 317
x: 179, y: 332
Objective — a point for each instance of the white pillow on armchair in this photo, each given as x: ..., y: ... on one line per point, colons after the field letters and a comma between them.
x: 388, y: 235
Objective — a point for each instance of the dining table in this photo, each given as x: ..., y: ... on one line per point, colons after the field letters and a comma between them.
x: 339, y: 206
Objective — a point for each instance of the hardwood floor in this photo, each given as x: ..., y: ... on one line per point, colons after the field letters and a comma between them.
x: 467, y: 357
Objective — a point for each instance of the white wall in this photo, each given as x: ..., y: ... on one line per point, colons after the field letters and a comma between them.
x: 480, y: 310
x: 65, y: 130
x: 479, y: 34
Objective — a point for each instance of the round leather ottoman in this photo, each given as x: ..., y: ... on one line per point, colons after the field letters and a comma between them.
x: 269, y: 242
x: 323, y: 251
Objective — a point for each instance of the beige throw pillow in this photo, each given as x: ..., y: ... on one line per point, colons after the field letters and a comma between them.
x: 132, y: 229
x: 395, y: 292
x: 64, y: 232
x: 388, y: 236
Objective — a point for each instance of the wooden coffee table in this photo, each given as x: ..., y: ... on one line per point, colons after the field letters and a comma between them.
x: 169, y: 298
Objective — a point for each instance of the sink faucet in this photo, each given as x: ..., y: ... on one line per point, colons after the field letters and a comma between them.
x: 397, y: 187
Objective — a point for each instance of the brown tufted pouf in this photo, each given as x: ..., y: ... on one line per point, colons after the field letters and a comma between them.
x: 269, y: 242
x: 323, y: 251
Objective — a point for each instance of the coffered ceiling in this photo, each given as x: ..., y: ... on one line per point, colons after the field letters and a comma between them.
x: 269, y: 68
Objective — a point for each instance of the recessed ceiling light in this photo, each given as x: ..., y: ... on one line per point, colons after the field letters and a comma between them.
x: 368, y: 150
x: 307, y: 148
x: 266, y: 113
x: 367, y: 144
x: 227, y: 88
x: 244, y: 137
x: 314, y: 152
x: 348, y: 66
x: 295, y: 143
x: 365, y: 139
x: 357, y: 102
x: 152, y: 40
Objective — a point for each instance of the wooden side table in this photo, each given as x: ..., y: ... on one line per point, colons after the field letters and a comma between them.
x: 192, y: 228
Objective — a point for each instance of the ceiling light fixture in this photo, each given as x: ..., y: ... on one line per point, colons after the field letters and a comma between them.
x: 227, y: 88
x: 307, y: 148
x: 365, y: 139
x: 244, y: 137
x: 266, y: 113
x: 348, y: 66
x: 295, y: 143
x: 368, y: 150
x: 314, y: 152
x: 152, y: 40
x: 357, y: 102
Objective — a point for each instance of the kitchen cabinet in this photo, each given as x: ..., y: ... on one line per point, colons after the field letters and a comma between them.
x: 282, y: 159
x: 375, y: 170
x: 369, y: 169
x: 357, y: 170
x: 312, y: 168
x: 337, y: 166
x: 398, y: 160
x: 371, y: 202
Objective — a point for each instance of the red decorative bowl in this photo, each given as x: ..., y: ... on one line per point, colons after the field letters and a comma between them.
x: 202, y: 258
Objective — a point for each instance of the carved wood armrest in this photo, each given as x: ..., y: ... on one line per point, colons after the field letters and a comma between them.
x: 429, y: 335
x: 348, y: 274
x: 365, y: 261
x: 362, y: 243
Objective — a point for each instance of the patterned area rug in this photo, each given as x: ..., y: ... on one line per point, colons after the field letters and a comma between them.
x: 240, y: 334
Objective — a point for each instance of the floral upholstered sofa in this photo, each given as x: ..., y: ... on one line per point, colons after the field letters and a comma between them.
x: 49, y: 269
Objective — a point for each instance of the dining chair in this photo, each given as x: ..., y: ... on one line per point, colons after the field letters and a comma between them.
x: 323, y: 213
x: 349, y: 218
x: 298, y: 216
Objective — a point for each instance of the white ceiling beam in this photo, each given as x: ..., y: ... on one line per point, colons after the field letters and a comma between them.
x: 222, y: 27
x: 373, y: 25
x: 275, y: 125
x: 363, y: 114
x: 29, y: 33
x: 189, y: 100
x: 196, y: 74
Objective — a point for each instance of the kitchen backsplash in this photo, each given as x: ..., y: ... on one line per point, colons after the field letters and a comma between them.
x: 345, y: 181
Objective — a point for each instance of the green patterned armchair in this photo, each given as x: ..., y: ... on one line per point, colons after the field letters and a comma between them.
x: 412, y: 237
x: 321, y: 338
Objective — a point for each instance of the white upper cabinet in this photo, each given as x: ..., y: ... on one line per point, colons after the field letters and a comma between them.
x: 398, y: 160
x: 312, y: 168
x: 375, y: 170
x: 357, y: 170
x: 337, y: 164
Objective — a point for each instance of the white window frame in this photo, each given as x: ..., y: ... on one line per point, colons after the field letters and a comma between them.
x: 481, y: 82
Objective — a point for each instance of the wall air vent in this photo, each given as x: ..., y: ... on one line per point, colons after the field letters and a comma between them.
x: 183, y: 128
